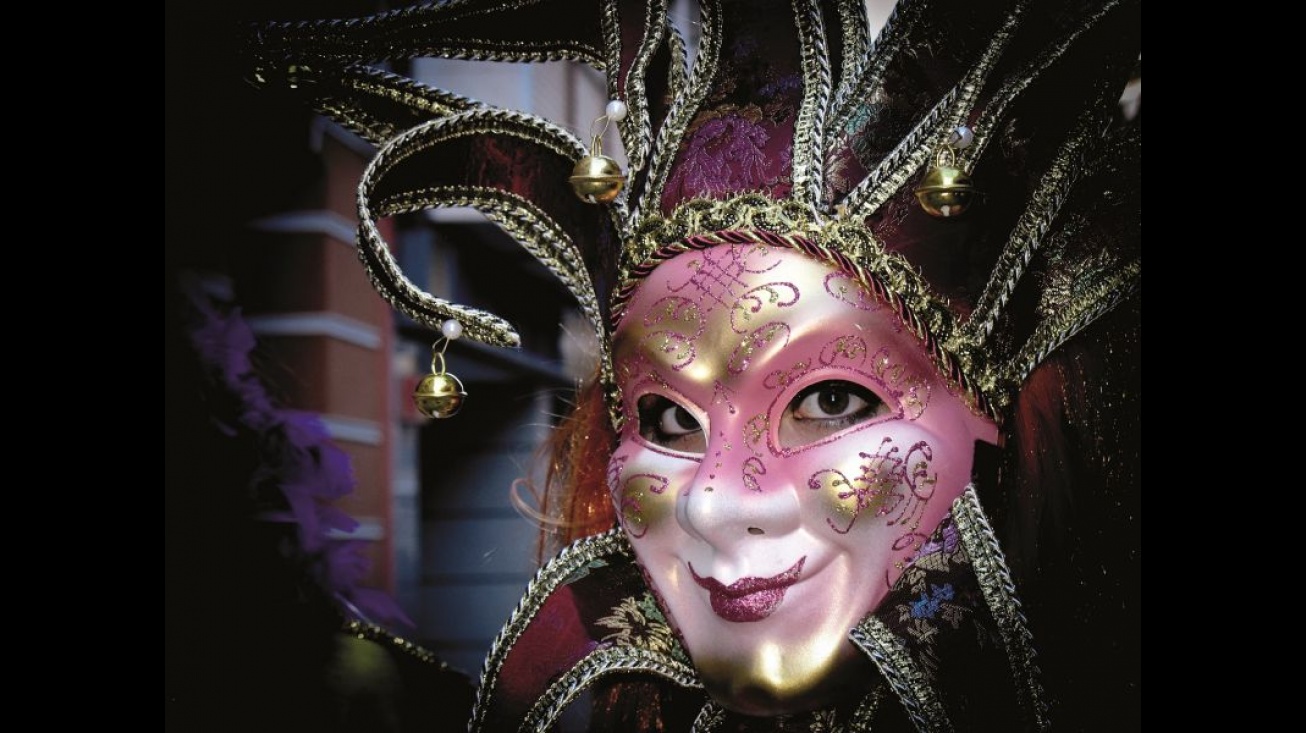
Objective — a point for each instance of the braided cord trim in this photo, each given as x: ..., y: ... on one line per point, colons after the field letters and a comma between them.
x: 1069, y: 321
x: 372, y: 632
x: 595, y: 665
x: 1000, y: 596
x: 894, y: 171
x: 995, y: 112
x: 636, y: 129
x: 683, y: 109
x: 808, y: 162
x: 856, y: 32
x: 906, y: 679
x: 532, y: 229
x: 860, y: 85
x: 547, y: 579
x: 384, y: 272
x: 1035, y: 221
x: 406, y: 33
x: 362, y: 84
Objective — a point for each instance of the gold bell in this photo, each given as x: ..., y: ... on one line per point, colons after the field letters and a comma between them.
x: 946, y: 190
x: 439, y: 394
x: 597, y: 179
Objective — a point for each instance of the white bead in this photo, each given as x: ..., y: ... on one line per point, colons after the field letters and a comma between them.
x: 962, y: 137
x: 616, y: 110
x: 451, y: 329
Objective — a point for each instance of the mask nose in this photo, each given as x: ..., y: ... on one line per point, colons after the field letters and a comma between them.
x: 737, y: 496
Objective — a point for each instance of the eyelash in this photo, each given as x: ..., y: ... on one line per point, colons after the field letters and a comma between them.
x: 873, y: 403
x: 651, y: 409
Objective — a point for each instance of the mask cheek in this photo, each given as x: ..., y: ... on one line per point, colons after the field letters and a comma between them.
x: 644, y: 486
x: 877, y: 488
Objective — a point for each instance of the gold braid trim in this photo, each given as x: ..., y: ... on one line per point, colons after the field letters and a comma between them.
x: 937, y: 126
x: 808, y: 162
x: 995, y: 111
x: 384, y: 272
x: 1044, y: 204
x: 1000, y: 596
x: 532, y: 229
x: 361, y: 85
x: 547, y: 579
x: 857, y: 89
x: 856, y: 32
x: 597, y: 664
x: 398, y: 34
x: 1072, y: 319
x: 636, y: 129
x: 682, y: 110
x: 906, y: 679
x: 372, y: 632
x: 710, y: 717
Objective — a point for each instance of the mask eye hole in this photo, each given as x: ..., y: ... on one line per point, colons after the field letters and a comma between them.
x: 664, y: 422
x: 826, y: 408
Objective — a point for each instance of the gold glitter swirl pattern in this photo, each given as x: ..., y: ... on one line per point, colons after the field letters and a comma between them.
x: 843, y: 243
x: 1000, y: 596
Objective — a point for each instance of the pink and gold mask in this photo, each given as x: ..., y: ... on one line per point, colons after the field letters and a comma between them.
x: 788, y: 446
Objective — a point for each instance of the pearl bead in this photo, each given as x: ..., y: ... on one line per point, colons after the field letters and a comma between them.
x: 616, y: 110
x: 451, y: 329
x: 962, y: 137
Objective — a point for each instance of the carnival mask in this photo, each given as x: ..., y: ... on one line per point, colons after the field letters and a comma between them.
x: 788, y: 447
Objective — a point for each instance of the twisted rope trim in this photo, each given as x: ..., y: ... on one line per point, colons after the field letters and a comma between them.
x: 856, y: 31
x: 861, y: 86
x: 1035, y: 221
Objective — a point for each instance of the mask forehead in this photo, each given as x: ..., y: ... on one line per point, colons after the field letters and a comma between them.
x: 708, y: 322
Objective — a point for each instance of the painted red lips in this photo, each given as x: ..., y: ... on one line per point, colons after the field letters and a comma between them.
x: 750, y: 598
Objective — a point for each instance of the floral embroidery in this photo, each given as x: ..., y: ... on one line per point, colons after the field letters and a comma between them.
x: 935, y: 599
x: 637, y: 622
x: 928, y: 605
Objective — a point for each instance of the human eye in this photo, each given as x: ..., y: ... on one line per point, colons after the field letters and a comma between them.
x: 665, y: 423
x: 827, y: 407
